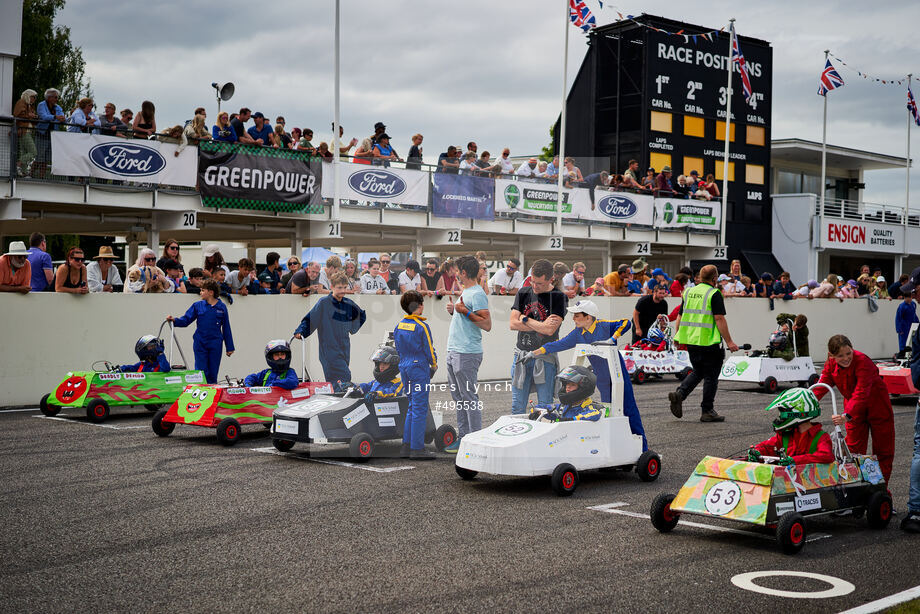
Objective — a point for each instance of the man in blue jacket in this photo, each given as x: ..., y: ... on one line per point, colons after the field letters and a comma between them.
x: 417, y: 363
x: 335, y: 318
x: 279, y: 372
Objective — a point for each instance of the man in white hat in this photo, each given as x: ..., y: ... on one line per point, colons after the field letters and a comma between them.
x: 102, y: 275
x: 15, y: 271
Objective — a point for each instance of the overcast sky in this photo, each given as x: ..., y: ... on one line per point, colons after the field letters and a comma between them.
x: 477, y: 70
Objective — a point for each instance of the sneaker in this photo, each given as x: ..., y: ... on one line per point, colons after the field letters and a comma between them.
x: 676, y: 400
x: 711, y: 416
x: 911, y: 522
x: 404, y: 451
x: 453, y: 448
x: 421, y: 455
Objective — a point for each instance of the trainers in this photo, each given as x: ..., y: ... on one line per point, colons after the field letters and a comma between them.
x: 453, y: 448
x: 911, y: 522
x: 676, y: 403
x: 421, y: 455
x: 404, y: 451
x: 711, y: 416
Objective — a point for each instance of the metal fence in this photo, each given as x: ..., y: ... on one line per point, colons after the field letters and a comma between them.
x: 867, y: 212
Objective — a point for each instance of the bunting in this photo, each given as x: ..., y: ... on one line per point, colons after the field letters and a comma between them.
x: 706, y: 36
x: 893, y: 81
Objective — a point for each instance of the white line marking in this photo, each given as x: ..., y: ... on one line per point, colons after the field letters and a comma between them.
x: 610, y: 508
x: 324, y: 461
x: 885, y: 602
x: 10, y: 411
x: 838, y: 588
x: 68, y: 419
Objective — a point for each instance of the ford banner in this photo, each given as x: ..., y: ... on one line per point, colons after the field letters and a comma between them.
x: 463, y: 196
x: 379, y: 184
x: 622, y: 208
x: 133, y: 160
x: 235, y: 176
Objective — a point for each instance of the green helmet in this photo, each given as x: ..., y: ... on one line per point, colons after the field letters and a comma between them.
x: 795, y: 405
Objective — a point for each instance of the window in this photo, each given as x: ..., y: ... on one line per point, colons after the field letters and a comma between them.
x: 694, y: 126
x: 756, y: 135
x: 754, y: 174
x: 731, y: 170
x: 661, y: 122
x: 693, y: 164
x: 720, y: 131
x: 658, y: 161
x: 789, y: 183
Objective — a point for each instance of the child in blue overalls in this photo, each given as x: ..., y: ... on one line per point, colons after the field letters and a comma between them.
x: 213, y: 332
x: 150, y: 350
x: 279, y: 372
x: 387, y: 381
x: 417, y: 363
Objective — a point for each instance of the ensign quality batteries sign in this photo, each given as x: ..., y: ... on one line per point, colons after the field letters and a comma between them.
x: 862, y: 236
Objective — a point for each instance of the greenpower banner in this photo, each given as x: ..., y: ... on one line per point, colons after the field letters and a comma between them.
x: 680, y: 213
x: 535, y: 198
x: 235, y: 176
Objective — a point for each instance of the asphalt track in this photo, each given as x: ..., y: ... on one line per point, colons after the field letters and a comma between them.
x: 117, y: 519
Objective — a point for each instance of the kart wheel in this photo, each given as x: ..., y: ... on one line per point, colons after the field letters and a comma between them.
x: 282, y: 445
x: 682, y: 374
x: 97, y: 410
x: 639, y: 377
x: 228, y: 431
x: 153, y: 407
x: 564, y: 480
x: 813, y: 379
x: 48, y: 410
x: 361, y: 446
x: 662, y: 517
x: 790, y: 532
x: 444, y: 436
x: 878, y: 512
x: 466, y: 474
x: 770, y: 385
x: 163, y: 429
x: 649, y: 466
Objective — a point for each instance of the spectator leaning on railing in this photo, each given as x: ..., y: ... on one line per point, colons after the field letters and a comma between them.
x: 414, y: 158
x: 144, y: 277
x: 71, y: 276
x: 110, y: 124
x: 194, y: 132
x: 102, y: 274
x: 15, y: 271
x: 222, y: 130
x: 40, y: 261
x: 145, y: 123
x: 84, y: 119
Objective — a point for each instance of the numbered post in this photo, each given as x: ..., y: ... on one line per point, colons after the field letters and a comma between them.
x: 177, y: 220
x: 552, y: 243
x: 432, y: 236
x: 555, y: 242
x: 719, y: 252
x: 328, y: 229
x: 641, y: 248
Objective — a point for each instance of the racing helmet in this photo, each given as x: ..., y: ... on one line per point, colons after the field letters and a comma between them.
x: 148, y: 346
x: 794, y: 405
x: 278, y: 345
x: 583, y: 377
x: 387, y: 355
x: 778, y: 341
x: 656, y: 335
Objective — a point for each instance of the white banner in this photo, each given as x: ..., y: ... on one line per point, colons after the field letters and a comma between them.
x: 111, y: 157
x: 862, y: 236
x: 365, y: 182
x: 621, y: 207
x: 536, y: 198
x: 683, y: 213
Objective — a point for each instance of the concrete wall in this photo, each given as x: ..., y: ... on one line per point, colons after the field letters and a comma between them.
x: 44, y: 335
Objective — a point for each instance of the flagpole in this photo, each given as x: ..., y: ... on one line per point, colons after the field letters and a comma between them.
x: 561, y: 167
x: 907, y: 196
x: 823, y: 187
x: 728, y: 127
x: 335, y: 128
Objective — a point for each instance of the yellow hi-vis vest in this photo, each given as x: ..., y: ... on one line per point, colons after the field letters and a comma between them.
x: 697, y: 324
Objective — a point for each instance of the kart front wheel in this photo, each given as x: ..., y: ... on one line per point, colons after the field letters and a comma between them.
x: 444, y: 436
x: 466, y: 474
x: 878, y: 512
x: 97, y: 410
x: 790, y: 532
x: 662, y: 517
x: 640, y: 376
x: 282, y: 445
x: 564, y: 480
x: 361, y: 447
x: 163, y: 429
x: 770, y: 385
x: 649, y: 466
x: 228, y: 431
x: 48, y: 410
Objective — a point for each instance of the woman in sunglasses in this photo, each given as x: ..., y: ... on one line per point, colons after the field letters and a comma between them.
x: 293, y: 265
x: 145, y: 277
x: 71, y: 276
x: 170, y: 252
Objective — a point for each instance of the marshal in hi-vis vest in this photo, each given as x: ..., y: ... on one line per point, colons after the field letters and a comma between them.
x: 697, y: 324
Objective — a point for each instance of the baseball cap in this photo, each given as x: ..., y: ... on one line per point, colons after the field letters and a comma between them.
x: 383, y: 136
x: 211, y: 249
x: 585, y: 307
x: 660, y: 272
x: 380, y: 126
x: 812, y: 283
x: 257, y: 115
x: 852, y: 283
x: 880, y: 278
x: 724, y: 277
x: 913, y: 282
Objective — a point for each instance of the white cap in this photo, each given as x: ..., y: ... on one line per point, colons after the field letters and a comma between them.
x: 17, y: 248
x: 585, y: 307
x: 211, y: 249
x: 724, y: 277
x: 880, y: 278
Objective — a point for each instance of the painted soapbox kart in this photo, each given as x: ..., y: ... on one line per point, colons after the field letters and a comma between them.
x: 99, y: 390
x: 643, y: 361
x: 770, y: 372
x: 227, y: 407
x: 896, y: 374
x: 515, y: 446
x: 780, y: 498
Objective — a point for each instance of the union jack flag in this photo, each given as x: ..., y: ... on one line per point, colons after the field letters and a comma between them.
x: 912, y: 106
x: 742, y: 66
x: 830, y: 79
x: 581, y: 15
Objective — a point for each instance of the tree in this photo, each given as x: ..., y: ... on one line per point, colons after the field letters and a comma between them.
x: 48, y: 57
x: 549, y: 151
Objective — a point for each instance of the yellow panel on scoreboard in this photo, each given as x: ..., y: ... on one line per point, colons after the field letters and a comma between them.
x: 695, y: 126
x: 720, y: 131
x: 720, y: 164
x: 661, y: 122
x: 659, y: 160
x: 756, y: 135
x: 754, y: 174
x: 693, y: 164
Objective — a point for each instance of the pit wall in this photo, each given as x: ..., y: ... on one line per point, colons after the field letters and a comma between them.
x: 44, y: 335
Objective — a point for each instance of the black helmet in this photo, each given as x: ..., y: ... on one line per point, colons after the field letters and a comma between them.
x: 778, y: 341
x: 583, y: 377
x: 278, y: 345
x: 148, y: 346
x: 388, y: 355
